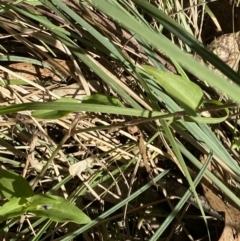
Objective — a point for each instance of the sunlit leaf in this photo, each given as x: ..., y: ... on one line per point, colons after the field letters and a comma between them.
x: 14, y: 208
x: 186, y: 93
x: 54, y: 114
x: 13, y: 185
x: 56, y: 208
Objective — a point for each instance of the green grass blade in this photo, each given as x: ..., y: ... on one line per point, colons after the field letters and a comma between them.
x: 187, y: 38
x: 161, y: 42
x: 201, y: 132
x: 78, y: 108
x: 209, y: 174
x: 116, y: 207
x: 180, y: 204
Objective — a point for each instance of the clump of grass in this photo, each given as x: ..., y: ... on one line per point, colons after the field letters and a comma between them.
x: 127, y: 129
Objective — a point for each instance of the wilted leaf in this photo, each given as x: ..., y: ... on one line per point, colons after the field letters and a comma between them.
x: 79, y: 167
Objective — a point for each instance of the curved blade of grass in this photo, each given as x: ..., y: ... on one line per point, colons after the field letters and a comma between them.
x: 180, y: 159
x: 183, y: 200
x: 52, y: 110
x: 210, y: 175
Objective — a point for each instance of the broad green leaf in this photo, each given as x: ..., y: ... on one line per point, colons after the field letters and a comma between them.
x: 41, y: 199
x: 56, y: 208
x: 13, y: 185
x: 14, y: 208
x: 102, y: 100
x: 186, y: 93
x: 54, y: 114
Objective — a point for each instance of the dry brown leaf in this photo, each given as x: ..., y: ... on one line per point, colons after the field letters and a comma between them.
x: 34, y: 72
x: 134, y: 130
x: 5, y: 92
x: 143, y: 151
x: 81, y: 166
x: 232, y: 214
x: 73, y: 90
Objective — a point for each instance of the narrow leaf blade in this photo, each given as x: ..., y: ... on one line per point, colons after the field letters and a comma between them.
x: 54, y: 114
x: 102, y: 100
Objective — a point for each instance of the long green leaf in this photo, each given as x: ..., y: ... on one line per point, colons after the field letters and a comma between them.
x: 77, y: 108
x: 160, y: 42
